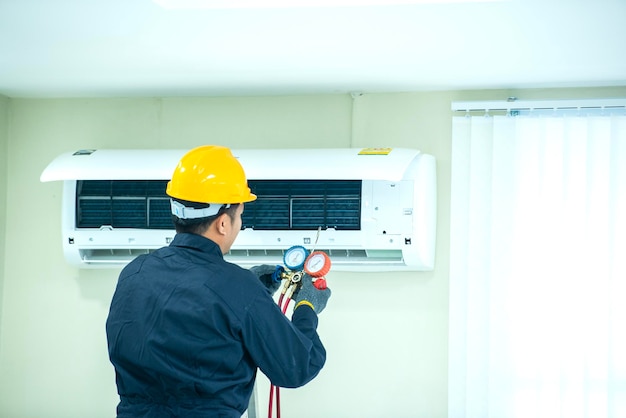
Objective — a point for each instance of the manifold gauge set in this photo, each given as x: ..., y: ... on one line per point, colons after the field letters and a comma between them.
x: 316, y: 264
x: 299, y: 263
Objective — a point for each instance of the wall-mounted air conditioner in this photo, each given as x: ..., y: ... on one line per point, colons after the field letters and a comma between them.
x: 369, y: 209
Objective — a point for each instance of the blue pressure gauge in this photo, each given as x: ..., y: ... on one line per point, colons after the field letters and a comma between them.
x: 294, y: 257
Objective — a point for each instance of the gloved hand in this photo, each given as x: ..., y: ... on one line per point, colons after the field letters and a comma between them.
x: 268, y: 275
x: 309, y: 294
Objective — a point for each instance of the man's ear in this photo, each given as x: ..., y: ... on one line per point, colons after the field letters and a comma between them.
x: 222, y: 224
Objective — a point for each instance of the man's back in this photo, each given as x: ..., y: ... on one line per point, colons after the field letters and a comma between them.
x: 187, y: 330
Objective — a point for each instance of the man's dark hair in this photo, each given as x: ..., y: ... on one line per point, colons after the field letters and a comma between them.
x: 199, y: 226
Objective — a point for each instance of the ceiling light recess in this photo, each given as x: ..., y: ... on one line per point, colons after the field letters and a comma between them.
x: 267, y: 4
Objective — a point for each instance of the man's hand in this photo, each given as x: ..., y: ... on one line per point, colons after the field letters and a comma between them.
x: 311, y: 296
x: 268, y: 275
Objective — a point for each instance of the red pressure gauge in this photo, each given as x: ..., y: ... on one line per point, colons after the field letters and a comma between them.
x: 317, y: 264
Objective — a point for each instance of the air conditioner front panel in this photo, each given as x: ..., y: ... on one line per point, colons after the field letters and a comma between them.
x: 262, y: 164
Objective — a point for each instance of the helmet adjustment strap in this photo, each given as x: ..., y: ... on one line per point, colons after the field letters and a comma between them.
x: 185, y: 212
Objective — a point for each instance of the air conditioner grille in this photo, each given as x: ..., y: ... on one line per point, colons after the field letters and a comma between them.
x: 304, y: 205
x: 123, y: 204
x: 281, y: 204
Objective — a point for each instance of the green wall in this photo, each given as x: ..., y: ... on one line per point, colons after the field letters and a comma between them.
x: 386, y: 333
x: 4, y: 135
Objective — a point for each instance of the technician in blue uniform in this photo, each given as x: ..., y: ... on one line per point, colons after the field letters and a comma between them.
x: 187, y: 330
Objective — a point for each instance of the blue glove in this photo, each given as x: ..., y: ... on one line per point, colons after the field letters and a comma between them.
x: 268, y: 275
x: 311, y: 296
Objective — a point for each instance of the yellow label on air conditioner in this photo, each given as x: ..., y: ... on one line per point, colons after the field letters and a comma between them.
x: 375, y: 151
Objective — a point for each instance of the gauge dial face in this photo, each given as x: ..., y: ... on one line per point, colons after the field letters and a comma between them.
x: 317, y: 264
x: 294, y: 257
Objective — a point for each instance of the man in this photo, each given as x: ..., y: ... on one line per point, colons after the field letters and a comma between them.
x: 187, y: 330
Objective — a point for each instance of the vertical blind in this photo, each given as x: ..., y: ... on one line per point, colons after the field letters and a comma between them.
x: 537, y: 277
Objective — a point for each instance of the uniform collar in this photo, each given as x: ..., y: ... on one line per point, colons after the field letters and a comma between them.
x: 196, y: 242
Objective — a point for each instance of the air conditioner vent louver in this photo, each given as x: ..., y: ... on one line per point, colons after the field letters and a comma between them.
x: 338, y: 256
x: 112, y: 256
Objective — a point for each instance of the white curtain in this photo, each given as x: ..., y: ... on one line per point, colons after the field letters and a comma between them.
x: 538, y: 267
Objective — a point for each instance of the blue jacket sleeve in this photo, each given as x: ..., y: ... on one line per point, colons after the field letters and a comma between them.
x: 289, y: 353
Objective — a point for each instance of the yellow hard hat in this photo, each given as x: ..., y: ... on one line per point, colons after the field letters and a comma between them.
x: 210, y: 174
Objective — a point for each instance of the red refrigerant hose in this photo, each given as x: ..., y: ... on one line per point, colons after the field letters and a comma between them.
x: 282, y: 304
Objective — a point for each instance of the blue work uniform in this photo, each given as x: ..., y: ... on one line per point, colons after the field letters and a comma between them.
x: 187, y: 330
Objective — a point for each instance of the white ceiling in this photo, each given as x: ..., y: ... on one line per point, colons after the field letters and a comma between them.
x: 130, y: 48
